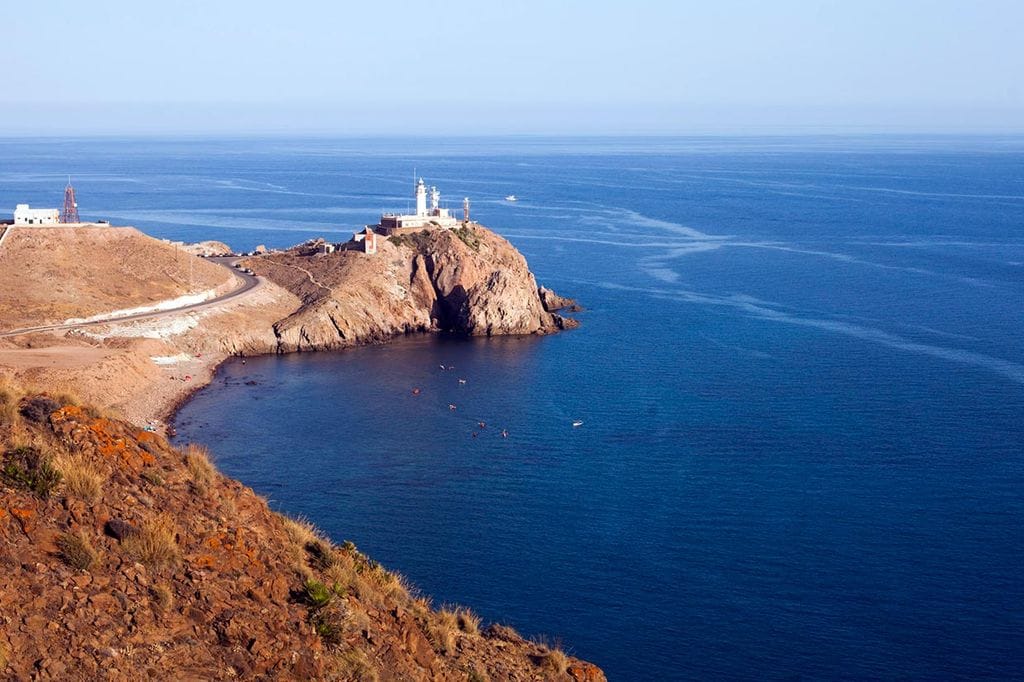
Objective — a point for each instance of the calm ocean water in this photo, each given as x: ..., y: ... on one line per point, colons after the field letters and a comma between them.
x: 800, y: 371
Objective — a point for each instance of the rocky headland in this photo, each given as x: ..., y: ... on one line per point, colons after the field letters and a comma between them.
x: 464, y: 281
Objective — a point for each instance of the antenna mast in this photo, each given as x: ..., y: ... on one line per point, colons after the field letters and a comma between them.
x: 70, y: 212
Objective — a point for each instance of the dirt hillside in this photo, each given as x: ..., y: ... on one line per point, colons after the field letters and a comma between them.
x: 55, y: 273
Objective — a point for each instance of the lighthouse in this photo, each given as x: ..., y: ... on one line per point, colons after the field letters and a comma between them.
x: 421, y: 198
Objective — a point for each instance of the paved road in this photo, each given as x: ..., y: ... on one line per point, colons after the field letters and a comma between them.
x: 248, y: 283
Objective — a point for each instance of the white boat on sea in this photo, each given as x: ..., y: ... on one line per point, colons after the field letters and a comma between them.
x: 511, y: 197
x: 578, y: 422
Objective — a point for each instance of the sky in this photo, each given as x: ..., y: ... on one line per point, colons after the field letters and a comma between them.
x: 511, y: 67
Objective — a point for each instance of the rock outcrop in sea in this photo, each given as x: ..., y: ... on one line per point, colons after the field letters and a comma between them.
x: 466, y: 281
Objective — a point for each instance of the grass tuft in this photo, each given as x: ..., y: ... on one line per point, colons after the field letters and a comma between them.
x: 301, y: 532
x: 10, y: 396
x: 356, y: 666
x: 555, y: 660
x: 469, y: 622
x: 197, y: 459
x: 479, y: 675
x: 154, y: 545
x: 81, y: 479
x: 76, y: 550
x: 443, y: 631
x: 162, y: 597
x: 152, y: 477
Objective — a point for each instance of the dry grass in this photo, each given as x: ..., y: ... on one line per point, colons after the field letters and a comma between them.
x: 155, y: 545
x: 152, y: 476
x: 341, y: 572
x: 67, y: 398
x: 4, y: 655
x: 197, y: 459
x: 10, y: 395
x: 162, y: 597
x: 478, y: 674
x: 76, y: 550
x: 443, y: 630
x: 80, y: 478
x: 301, y: 532
x: 555, y: 660
x: 354, y: 665
x: 389, y: 584
x: 469, y: 622
x: 357, y: 621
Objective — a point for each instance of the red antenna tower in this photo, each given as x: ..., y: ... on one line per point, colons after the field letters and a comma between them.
x: 70, y: 212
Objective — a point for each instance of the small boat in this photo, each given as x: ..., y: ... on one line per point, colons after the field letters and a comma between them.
x: 451, y: 406
x: 504, y: 433
x: 577, y: 422
x: 462, y: 381
x: 415, y: 391
x: 511, y: 197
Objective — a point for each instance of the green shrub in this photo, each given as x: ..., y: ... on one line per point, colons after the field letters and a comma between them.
x: 29, y: 468
x: 317, y: 594
x: 468, y: 237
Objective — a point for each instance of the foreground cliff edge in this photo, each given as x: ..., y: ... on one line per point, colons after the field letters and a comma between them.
x: 123, y: 557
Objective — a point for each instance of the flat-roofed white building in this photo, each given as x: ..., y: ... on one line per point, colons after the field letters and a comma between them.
x: 24, y: 215
x: 435, y: 216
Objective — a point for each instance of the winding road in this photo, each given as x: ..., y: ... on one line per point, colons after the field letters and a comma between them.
x: 248, y: 283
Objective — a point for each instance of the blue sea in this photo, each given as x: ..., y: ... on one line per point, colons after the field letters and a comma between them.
x: 800, y: 373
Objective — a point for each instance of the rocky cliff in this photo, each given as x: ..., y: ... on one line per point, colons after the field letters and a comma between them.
x: 467, y: 281
x: 123, y: 558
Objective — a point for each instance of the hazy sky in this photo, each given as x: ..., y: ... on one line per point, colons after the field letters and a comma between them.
x: 306, y: 66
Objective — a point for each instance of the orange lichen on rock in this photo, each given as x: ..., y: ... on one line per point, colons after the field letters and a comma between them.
x: 106, y: 437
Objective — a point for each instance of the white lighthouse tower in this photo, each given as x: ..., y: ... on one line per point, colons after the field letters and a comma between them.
x: 421, y: 198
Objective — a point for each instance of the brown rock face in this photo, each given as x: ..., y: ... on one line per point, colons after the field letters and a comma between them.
x: 466, y: 281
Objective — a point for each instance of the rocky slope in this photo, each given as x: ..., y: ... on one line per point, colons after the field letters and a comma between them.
x: 123, y: 558
x: 468, y: 281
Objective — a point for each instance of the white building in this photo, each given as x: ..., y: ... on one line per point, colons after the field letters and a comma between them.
x: 23, y: 215
x: 435, y: 216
